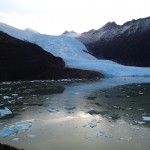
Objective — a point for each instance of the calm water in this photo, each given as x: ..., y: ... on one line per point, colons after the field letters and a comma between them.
x: 99, y: 115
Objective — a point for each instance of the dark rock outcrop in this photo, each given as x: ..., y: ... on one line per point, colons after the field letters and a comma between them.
x: 7, y: 147
x: 21, y: 60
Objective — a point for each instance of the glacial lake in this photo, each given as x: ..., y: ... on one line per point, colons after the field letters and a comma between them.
x: 108, y: 114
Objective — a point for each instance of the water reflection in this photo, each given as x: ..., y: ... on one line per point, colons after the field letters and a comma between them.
x: 110, y: 109
x: 128, y: 102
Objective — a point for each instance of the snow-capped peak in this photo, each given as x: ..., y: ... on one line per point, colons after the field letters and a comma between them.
x: 71, y: 33
x: 111, y: 30
x: 109, y: 26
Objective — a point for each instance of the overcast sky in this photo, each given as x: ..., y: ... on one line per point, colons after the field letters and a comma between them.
x: 55, y: 16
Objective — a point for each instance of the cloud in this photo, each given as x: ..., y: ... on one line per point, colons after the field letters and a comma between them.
x: 55, y: 16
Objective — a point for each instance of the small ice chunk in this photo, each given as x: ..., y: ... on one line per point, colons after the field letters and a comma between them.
x: 1, y: 104
x: 30, y: 136
x: 116, y: 107
x: 108, y: 135
x: 25, y: 126
x: 93, y: 123
x: 104, y: 134
x: 140, y: 93
x: 140, y: 122
x: 14, y: 95
x: 5, y: 111
x: 140, y: 109
x: 20, y: 98
x: 15, y: 139
x: 8, y: 131
x: 91, y: 109
x: 53, y: 110
x: 6, y: 97
x: 146, y: 118
x: 100, y: 132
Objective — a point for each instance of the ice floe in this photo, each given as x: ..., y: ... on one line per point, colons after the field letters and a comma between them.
x: 104, y: 134
x: 31, y: 136
x: 5, y: 111
x: 14, y: 129
x: 15, y: 139
x: 146, y: 118
x: 23, y: 126
x: 6, y: 97
x: 53, y: 110
x: 93, y: 123
x: 7, y: 131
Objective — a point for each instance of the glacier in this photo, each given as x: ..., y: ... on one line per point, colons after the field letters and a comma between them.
x: 74, y: 53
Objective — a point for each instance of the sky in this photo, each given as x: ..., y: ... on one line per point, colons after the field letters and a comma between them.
x: 56, y: 16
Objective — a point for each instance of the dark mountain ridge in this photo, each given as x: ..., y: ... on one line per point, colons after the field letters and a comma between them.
x: 128, y: 44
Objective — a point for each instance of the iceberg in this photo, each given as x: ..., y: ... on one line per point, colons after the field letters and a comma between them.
x: 5, y: 111
x: 146, y: 118
x: 8, y: 131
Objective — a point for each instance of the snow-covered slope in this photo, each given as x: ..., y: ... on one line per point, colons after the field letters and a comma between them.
x: 73, y: 53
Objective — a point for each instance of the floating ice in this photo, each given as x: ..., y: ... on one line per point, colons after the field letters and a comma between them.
x: 104, y: 134
x: 25, y: 126
x: 14, y: 95
x: 15, y: 139
x: 6, y: 97
x: 140, y: 93
x: 5, y: 111
x: 108, y: 135
x: 1, y: 104
x: 116, y: 107
x: 93, y: 123
x: 30, y: 136
x: 8, y: 131
x: 140, y: 122
x: 100, y: 132
x: 53, y: 110
x: 146, y: 118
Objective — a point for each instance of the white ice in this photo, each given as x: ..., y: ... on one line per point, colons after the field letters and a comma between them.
x: 5, y: 111
x: 93, y: 123
x: 146, y: 118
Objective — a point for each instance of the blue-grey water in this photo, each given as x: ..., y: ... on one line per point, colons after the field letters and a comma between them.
x: 77, y: 115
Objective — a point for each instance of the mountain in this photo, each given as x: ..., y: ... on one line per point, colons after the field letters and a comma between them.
x: 71, y: 33
x: 74, y: 54
x: 127, y: 44
x: 20, y: 60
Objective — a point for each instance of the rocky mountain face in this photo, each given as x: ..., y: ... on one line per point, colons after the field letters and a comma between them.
x: 21, y: 60
x: 128, y: 44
